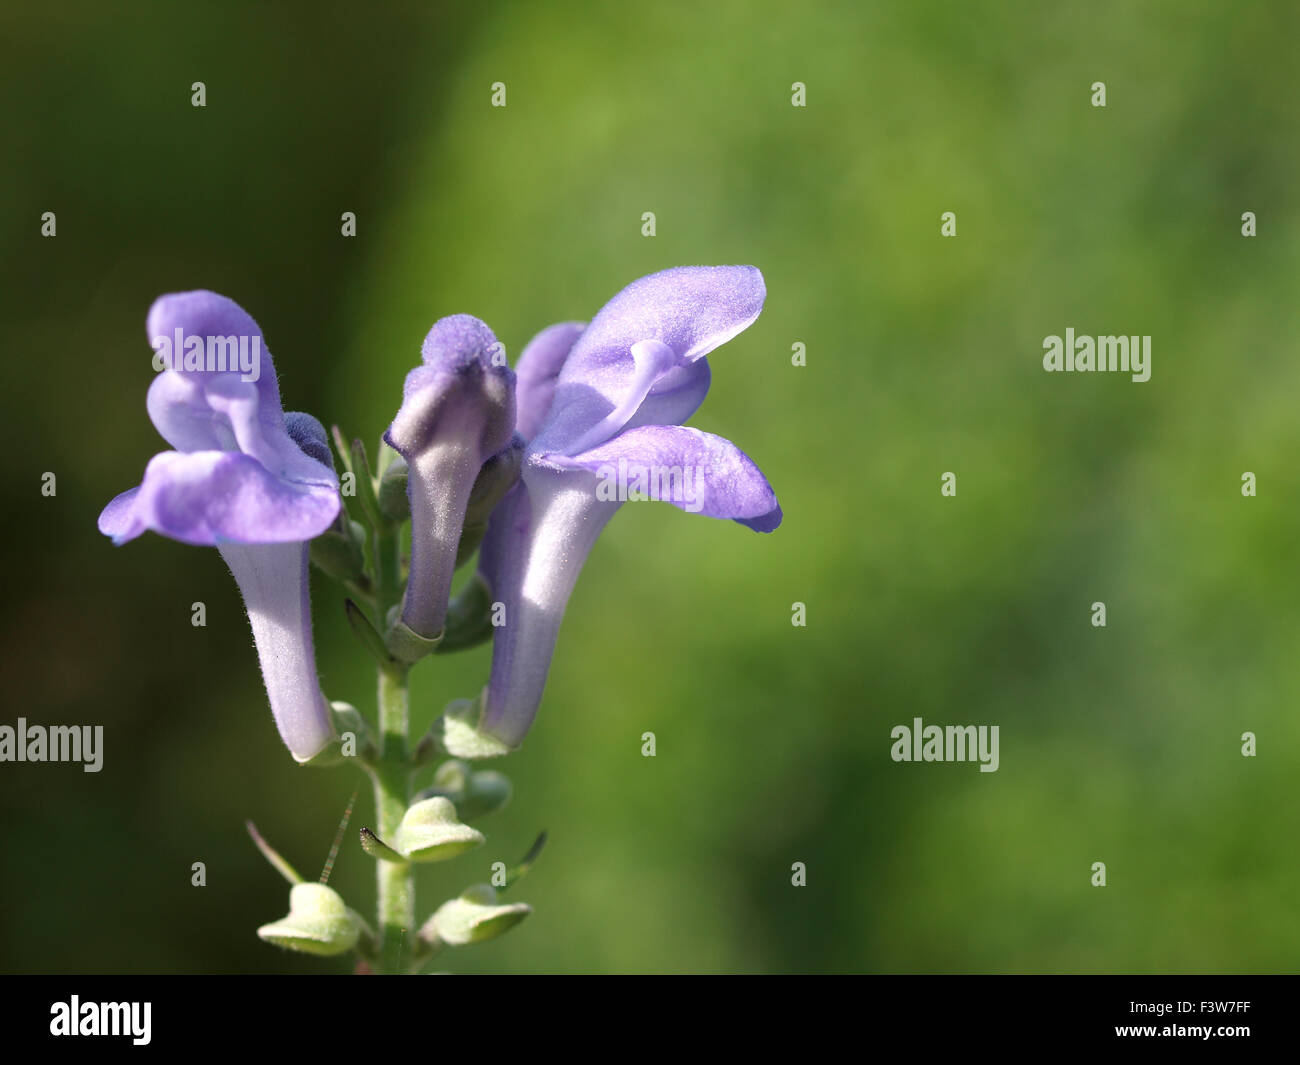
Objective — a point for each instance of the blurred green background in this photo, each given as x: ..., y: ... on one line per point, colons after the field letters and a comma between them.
x: 1119, y: 745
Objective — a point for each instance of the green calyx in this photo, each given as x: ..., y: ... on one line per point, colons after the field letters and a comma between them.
x: 319, y: 922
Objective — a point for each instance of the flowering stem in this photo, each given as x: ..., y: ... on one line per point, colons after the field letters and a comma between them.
x: 392, y: 778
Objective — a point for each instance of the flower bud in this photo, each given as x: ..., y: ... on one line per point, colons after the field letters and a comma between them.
x: 498, y: 475
x: 458, y: 410
x: 469, y: 617
x: 393, y: 501
x: 474, y: 794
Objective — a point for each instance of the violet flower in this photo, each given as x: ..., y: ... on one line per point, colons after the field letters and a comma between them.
x: 245, y: 477
x: 458, y: 411
x: 602, y: 403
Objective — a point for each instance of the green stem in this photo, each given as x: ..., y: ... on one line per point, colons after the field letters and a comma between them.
x: 392, y: 778
x: 391, y: 773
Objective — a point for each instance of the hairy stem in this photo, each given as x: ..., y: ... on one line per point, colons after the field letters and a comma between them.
x: 392, y: 779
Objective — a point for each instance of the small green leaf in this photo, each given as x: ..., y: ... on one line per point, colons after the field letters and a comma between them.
x: 341, y: 446
x: 340, y: 554
x: 365, y: 485
x: 366, y: 633
x: 377, y: 848
x: 513, y: 876
x: 273, y: 856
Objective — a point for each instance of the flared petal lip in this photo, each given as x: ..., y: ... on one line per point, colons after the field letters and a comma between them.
x: 693, y: 470
x: 210, y: 497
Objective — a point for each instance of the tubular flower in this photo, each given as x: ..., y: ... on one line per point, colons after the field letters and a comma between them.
x: 246, y: 478
x: 603, y: 408
x: 458, y: 411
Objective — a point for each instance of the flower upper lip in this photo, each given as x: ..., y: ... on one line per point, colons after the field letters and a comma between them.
x: 650, y: 332
x: 231, y: 442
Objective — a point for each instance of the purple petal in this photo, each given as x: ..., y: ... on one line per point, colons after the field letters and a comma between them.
x: 308, y: 434
x: 262, y: 433
x: 538, y: 539
x: 690, y: 310
x: 579, y: 424
x: 180, y: 412
x: 212, y: 497
x: 675, y: 397
x: 464, y: 391
x: 211, y: 317
x: 211, y: 409
x: 458, y: 341
x: 117, y: 519
x: 273, y: 581
x: 693, y: 470
x: 439, y: 482
x: 536, y: 373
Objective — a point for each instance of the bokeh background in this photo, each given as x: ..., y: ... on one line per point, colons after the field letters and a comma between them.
x: 1119, y: 744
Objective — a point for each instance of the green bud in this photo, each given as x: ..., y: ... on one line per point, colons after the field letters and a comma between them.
x: 449, y: 780
x: 338, y: 551
x: 469, y: 617
x: 319, y: 922
x: 394, y: 503
x: 473, y: 793
x: 471, y: 535
x: 495, y: 478
x: 488, y: 792
x: 430, y: 832
x: 473, y: 917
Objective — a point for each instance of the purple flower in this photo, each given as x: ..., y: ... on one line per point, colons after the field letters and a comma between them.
x: 245, y: 477
x: 603, y: 407
x: 458, y: 410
